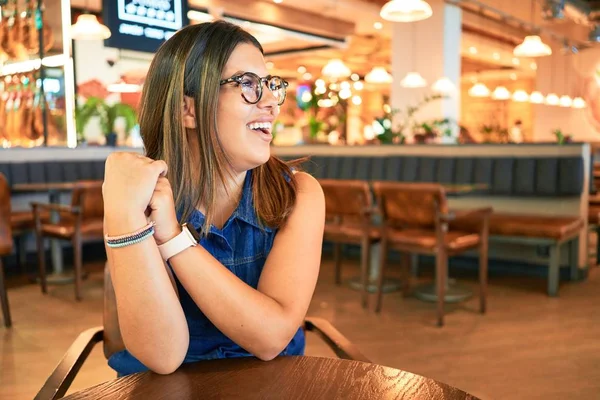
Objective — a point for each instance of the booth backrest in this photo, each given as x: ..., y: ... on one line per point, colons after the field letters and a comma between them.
x: 52, y: 171
x: 515, y: 176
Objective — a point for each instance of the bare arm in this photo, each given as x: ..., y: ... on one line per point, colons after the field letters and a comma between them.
x: 151, y: 319
x: 263, y: 321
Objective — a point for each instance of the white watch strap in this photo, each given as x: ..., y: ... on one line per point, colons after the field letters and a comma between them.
x: 177, y: 244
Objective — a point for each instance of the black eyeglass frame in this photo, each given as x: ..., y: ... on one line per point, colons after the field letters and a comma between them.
x: 238, y: 79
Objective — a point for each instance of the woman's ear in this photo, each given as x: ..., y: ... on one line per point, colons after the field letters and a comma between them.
x: 189, y: 113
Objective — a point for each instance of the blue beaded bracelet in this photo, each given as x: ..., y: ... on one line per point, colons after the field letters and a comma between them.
x: 128, y: 240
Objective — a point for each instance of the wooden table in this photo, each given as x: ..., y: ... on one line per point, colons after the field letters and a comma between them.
x: 282, y: 378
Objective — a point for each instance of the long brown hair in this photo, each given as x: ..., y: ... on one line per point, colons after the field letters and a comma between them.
x: 190, y: 64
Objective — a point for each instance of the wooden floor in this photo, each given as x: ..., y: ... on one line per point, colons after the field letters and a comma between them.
x: 527, y: 346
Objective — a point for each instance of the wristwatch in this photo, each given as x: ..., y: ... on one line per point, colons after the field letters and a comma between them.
x: 187, y: 238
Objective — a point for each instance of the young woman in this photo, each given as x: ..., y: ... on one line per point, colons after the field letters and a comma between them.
x: 208, y: 177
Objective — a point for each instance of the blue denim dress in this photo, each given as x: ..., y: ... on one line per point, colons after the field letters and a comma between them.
x: 242, y: 246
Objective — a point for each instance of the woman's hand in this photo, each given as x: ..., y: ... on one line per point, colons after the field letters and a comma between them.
x: 129, y: 183
x: 162, y: 211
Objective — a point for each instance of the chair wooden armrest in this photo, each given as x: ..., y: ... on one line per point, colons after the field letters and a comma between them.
x: 63, y: 375
x: 341, y: 346
x: 468, y: 213
x: 55, y: 207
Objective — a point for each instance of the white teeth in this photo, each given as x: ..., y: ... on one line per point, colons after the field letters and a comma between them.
x: 260, y: 125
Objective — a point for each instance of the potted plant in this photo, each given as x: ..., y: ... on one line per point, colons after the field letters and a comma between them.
x: 108, y: 114
x: 111, y: 113
x: 562, y: 138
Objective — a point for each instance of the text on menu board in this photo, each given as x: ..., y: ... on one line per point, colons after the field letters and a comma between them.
x: 143, y: 25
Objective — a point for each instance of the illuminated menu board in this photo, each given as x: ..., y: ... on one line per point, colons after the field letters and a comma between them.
x: 143, y: 25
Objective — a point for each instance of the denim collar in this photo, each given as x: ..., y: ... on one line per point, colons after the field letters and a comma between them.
x: 244, y: 211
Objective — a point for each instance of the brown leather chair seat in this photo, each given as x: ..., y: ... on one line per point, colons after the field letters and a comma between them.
x: 538, y: 226
x: 454, y: 240
x: 66, y: 230
x: 24, y: 220
x: 349, y: 233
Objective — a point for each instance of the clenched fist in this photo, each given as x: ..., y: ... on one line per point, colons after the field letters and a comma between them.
x: 129, y: 182
x: 134, y: 188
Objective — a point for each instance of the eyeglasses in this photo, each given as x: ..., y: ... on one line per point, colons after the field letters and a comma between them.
x: 252, y: 86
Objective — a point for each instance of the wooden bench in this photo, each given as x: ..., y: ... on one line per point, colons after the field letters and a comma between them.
x: 552, y: 231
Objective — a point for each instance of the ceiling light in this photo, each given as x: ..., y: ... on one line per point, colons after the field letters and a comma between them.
x: 355, y: 77
x: 501, y: 93
x: 123, y: 87
x: 536, y: 98
x: 473, y: 50
x: 479, y: 90
x: 307, y: 76
x: 345, y: 93
x: 513, y: 76
x: 565, y: 101
x: 496, y: 56
x: 413, y: 80
x: 532, y: 46
x: 443, y: 85
x: 578, y: 102
x: 356, y: 100
x: 336, y: 69
x: 377, y: 25
x: 516, y: 61
x: 269, y: 65
x: 552, y: 99
x: 358, y: 85
x: 520, y: 96
x: 378, y: 75
x: 87, y: 27
x: 277, y: 1
x: 406, y: 10
x: 301, y: 69
x: 533, y: 66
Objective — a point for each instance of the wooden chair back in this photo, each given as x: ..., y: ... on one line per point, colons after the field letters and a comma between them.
x: 88, y: 196
x: 415, y: 205
x: 346, y: 198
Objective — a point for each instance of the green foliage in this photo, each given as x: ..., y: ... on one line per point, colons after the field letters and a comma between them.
x: 96, y: 107
x: 562, y: 138
x: 118, y: 110
x: 391, y: 135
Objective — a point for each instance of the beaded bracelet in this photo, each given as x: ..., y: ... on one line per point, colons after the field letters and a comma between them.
x: 130, y: 238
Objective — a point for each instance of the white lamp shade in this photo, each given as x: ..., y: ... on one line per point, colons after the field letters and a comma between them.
x: 501, y: 93
x: 565, y: 101
x: 536, y: 98
x: 552, y: 99
x: 413, y: 80
x: 406, y: 10
x: 336, y: 69
x: 479, y: 90
x: 87, y: 27
x: 578, y: 102
x: 443, y: 85
x: 520, y: 96
x: 532, y: 46
x: 378, y: 75
x: 123, y: 87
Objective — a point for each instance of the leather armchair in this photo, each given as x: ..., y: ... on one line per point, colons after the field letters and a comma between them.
x: 416, y: 221
x: 349, y: 209
x: 6, y: 244
x: 81, y: 221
